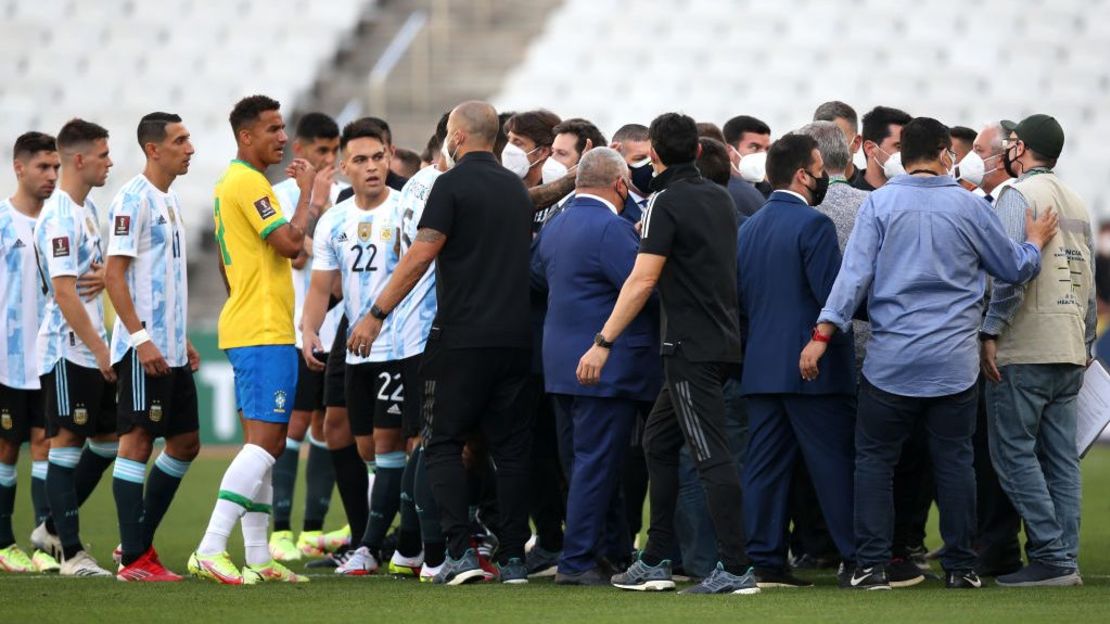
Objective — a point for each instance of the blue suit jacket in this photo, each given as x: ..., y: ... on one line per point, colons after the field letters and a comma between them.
x: 787, y: 261
x: 583, y: 256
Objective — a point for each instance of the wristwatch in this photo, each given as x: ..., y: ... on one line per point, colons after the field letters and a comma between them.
x: 378, y: 313
x: 600, y: 341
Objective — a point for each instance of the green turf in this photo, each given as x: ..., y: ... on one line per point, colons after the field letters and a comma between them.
x: 35, y: 599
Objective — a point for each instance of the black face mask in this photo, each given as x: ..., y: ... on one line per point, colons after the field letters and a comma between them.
x: 1008, y: 164
x: 818, y: 192
x: 641, y: 178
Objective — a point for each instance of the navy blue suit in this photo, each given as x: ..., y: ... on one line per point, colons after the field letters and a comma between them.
x: 583, y: 256
x: 787, y: 260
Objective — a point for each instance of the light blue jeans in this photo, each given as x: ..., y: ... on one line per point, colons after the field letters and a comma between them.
x: 1031, y: 416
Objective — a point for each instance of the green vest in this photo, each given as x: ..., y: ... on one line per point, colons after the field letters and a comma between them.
x: 1050, y: 325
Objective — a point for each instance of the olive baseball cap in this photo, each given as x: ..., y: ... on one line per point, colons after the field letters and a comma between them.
x: 1042, y: 133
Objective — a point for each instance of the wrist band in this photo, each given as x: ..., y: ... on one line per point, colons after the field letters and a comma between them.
x: 819, y: 337
x: 140, y: 337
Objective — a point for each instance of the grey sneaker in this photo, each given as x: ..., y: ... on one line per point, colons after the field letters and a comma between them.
x: 465, y: 569
x: 643, y: 577
x: 722, y: 582
x: 513, y: 572
x: 540, y: 560
x: 1038, y: 574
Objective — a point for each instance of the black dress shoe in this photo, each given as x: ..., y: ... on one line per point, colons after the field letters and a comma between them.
x: 769, y: 577
x: 593, y: 576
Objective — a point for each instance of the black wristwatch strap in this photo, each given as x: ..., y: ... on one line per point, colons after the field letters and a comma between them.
x: 600, y: 341
x: 985, y: 336
x: 378, y: 313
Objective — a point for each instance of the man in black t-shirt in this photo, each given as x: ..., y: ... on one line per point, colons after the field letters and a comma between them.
x: 688, y: 250
x: 476, y: 226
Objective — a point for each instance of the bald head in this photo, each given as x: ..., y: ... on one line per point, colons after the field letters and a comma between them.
x: 476, y: 122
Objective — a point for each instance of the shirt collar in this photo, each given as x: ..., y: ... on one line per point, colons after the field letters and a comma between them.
x: 606, y: 202
x: 789, y: 192
x: 674, y: 173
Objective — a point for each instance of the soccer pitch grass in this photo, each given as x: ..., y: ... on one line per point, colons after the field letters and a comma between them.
x: 40, y: 599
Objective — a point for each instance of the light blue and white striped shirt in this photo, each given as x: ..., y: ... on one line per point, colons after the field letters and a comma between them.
x: 145, y: 224
x: 67, y: 237
x: 288, y: 194
x: 362, y: 246
x: 21, y: 300
x: 412, y: 318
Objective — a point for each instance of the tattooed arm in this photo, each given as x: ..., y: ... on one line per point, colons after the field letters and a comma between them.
x: 408, y: 271
x: 546, y: 195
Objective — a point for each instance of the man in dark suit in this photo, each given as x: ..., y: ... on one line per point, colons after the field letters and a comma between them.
x: 788, y: 259
x: 583, y: 257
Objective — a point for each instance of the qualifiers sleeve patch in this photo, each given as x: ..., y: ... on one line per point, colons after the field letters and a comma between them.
x: 123, y: 225
x: 60, y: 246
x: 264, y: 208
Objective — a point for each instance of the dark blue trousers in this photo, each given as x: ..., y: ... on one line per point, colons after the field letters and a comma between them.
x: 594, y: 437
x: 821, y: 428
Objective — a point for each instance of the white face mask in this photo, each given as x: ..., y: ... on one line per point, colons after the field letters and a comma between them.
x: 893, y: 166
x: 448, y: 159
x: 553, y: 170
x: 971, y: 169
x: 753, y: 167
x: 516, y: 160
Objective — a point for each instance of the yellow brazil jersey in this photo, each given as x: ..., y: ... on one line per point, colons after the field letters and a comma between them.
x: 259, y: 310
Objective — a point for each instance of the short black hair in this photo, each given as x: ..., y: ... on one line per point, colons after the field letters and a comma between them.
x: 537, y: 125
x: 312, y: 126
x: 435, y: 142
x: 383, y: 125
x: 30, y: 143
x: 922, y: 140
x: 963, y: 133
x: 674, y: 137
x: 631, y: 132
x: 409, y: 160
x: 736, y: 127
x: 877, y: 122
x: 248, y: 110
x: 713, y: 162
x: 708, y: 129
x: 835, y: 109
x: 152, y: 127
x: 787, y: 155
x: 78, y: 132
x: 364, y: 128
x: 581, y: 129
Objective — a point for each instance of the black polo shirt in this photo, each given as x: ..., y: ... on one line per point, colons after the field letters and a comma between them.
x: 860, y: 181
x: 482, y: 274
x: 693, y: 223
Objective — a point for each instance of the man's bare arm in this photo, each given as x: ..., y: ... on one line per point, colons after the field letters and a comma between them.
x: 412, y: 267
x: 545, y: 195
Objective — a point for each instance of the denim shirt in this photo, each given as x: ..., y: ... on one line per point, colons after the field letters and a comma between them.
x: 918, y: 253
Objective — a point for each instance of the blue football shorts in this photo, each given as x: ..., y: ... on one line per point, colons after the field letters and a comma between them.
x: 265, y: 381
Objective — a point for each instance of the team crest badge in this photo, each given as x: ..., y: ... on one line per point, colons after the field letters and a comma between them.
x: 364, y: 230
x: 387, y: 234
x: 156, y: 412
x: 279, y: 401
x: 91, y: 225
x: 173, y: 216
x: 6, y: 420
x: 80, y: 416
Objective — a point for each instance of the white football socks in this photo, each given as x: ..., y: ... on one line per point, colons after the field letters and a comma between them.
x: 238, y: 489
x: 256, y: 523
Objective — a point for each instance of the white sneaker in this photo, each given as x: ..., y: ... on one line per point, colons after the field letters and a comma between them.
x: 428, y: 574
x: 359, y: 563
x: 117, y: 555
x: 82, y: 564
x: 42, y: 540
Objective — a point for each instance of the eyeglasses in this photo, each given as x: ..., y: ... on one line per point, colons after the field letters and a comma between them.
x: 951, y: 154
x: 1007, y: 143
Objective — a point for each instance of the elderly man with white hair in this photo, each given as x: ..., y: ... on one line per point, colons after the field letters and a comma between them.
x: 583, y: 257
